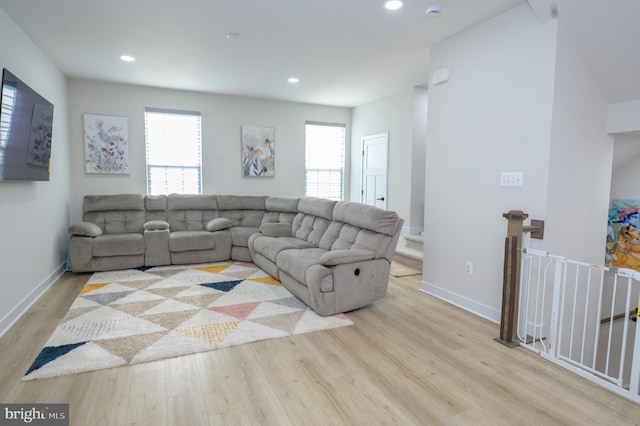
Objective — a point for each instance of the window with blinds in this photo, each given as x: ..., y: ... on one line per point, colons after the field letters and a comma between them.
x: 174, y: 145
x: 324, y: 160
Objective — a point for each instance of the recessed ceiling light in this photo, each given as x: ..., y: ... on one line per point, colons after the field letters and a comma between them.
x: 434, y: 11
x: 293, y: 80
x: 127, y: 58
x: 234, y: 36
x: 393, y: 4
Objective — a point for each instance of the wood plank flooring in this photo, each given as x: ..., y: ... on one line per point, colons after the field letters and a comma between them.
x: 409, y: 359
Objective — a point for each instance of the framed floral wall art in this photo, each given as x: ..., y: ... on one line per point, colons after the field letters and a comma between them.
x: 40, y: 138
x: 258, y: 151
x: 106, y: 144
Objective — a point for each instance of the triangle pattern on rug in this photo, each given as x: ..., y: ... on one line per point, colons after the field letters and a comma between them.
x: 240, y: 311
x: 90, y: 287
x: 266, y: 280
x: 223, y: 285
x: 106, y: 298
x: 131, y: 316
x: 212, y: 334
x: 49, y: 354
x: 128, y: 347
x: 214, y: 269
x: 285, y: 322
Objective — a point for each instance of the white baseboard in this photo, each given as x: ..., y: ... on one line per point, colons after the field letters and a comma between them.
x: 14, y: 315
x: 479, y: 309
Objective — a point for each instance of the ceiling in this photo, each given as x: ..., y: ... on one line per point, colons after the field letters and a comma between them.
x: 345, y: 52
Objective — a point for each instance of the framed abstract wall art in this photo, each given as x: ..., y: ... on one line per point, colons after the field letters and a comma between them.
x: 258, y: 151
x: 623, y: 234
x: 106, y: 144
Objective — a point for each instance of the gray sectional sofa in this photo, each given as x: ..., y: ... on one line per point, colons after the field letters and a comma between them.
x: 334, y: 256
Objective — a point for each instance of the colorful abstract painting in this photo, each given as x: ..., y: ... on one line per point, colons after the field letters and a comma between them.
x: 106, y: 141
x: 623, y: 234
x: 258, y: 151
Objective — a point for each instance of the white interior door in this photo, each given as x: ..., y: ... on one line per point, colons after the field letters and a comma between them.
x: 374, y: 170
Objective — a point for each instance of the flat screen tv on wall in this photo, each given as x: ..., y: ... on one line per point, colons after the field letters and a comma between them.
x: 25, y: 131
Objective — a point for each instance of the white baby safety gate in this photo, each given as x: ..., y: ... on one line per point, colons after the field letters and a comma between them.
x: 583, y: 318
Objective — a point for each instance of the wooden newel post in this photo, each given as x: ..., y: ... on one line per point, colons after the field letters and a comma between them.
x: 511, y: 278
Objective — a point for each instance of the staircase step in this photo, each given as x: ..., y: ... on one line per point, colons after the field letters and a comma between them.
x: 414, y: 241
x: 409, y: 256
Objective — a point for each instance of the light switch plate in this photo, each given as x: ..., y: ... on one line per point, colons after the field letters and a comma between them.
x: 511, y: 179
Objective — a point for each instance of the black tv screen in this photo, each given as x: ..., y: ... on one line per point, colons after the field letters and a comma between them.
x: 25, y: 131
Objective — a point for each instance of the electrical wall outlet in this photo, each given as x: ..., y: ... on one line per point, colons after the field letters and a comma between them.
x: 468, y: 267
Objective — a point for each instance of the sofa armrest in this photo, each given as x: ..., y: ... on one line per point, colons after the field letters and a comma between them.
x: 218, y: 224
x: 85, y: 229
x: 276, y: 229
x: 339, y: 257
x: 156, y: 225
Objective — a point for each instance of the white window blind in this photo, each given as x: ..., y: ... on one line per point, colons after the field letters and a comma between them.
x: 8, y: 103
x: 324, y: 160
x: 174, y: 145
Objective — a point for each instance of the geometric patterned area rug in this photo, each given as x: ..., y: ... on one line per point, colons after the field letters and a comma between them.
x: 140, y: 315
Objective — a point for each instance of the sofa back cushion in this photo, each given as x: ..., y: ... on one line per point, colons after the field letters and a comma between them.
x: 156, y: 207
x: 115, y: 214
x: 359, y: 226
x: 242, y: 210
x: 191, y: 212
x: 312, y: 220
x: 367, y: 217
x: 280, y: 210
x: 241, y: 202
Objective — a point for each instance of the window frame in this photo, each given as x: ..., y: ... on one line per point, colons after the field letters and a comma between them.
x: 167, y: 166
x: 326, y: 170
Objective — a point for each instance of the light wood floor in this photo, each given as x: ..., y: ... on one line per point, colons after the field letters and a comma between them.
x: 409, y: 359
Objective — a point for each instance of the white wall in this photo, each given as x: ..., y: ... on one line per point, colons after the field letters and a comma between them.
x: 33, y: 215
x: 492, y: 116
x: 624, y: 117
x: 626, y: 169
x: 393, y: 114
x: 418, y: 159
x: 580, y: 161
x: 222, y: 118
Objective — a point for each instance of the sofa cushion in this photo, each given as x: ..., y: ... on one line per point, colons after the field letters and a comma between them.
x: 295, y: 262
x: 240, y: 235
x: 155, y: 207
x: 317, y: 207
x: 190, y: 220
x: 270, y: 247
x: 117, y: 221
x: 85, y: 229
x: 101, y: 203
x: 241, y: 202
x: 368, y: 217
x: 309, y: 228
x: 156, y: 225
x: 278, y: 217
x: 351, y: 237
x: 118, y: 245
x: 339, y: 257
x: 218, y: 224
x: 191, y: 240
x: 192, y: 202
x: 281, y: 204
x: 243, y: 217
x: 276, y: 229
